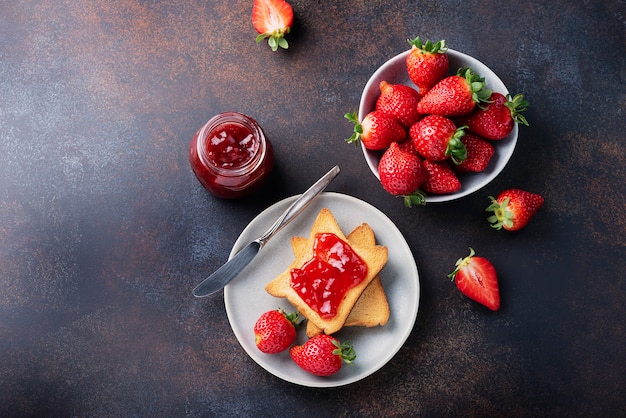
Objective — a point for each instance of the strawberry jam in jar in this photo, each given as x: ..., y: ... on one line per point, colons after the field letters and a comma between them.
x: 230, y: 155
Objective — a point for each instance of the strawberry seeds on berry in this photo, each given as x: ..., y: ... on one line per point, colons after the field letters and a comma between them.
x: 476, y: 278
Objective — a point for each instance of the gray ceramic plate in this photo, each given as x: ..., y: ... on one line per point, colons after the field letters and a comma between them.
x: 246, y: 298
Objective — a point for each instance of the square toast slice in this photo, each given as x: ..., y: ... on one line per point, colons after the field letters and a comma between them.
x: 371, y: 308
x: 375, y: 257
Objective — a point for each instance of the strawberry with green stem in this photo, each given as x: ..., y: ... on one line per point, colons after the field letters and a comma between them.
x: 376, y: 131
x: 455, y: 95
x: 479, y: 154
x: 513, y: 209
x: 322, y: 355
x: 401, y: 174
x: 437, y: 138
x: 275, y: 331
x: 495, y: 119
x: 272, y: 19
x: 426, y: 63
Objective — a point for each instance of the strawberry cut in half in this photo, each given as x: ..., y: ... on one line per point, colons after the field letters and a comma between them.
x: 476, y: 278
x: 272, y: 19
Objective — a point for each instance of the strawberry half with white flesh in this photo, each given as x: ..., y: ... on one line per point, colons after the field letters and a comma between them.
x: 273, y: 20
x: 476, y: 278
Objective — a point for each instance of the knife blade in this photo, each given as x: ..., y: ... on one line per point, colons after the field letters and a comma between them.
x: 222, y: 276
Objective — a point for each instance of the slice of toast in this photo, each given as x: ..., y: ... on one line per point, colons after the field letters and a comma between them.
x: 374, y: 256
x: 372, y: 307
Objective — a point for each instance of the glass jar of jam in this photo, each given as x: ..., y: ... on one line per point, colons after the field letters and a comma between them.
x: 230, y: 155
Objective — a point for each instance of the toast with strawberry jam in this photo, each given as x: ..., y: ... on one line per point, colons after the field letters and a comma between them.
x: 325, y: 280
x: 371, y: 308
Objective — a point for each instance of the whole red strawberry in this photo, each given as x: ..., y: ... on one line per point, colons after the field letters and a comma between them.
x: 496, y: 118
x: 272, y: 19
x: 455, y: 95
x: 322, y: 355
x: 399, y: 101
x: 437, y: 138
x: 275, y: 330
x: 377, y: 130
x: 440, y: 178
x: 513, y: 209
x: 477, y: 279
x: 427, y: 63
x: 401, y: 174
x: 479, y: 153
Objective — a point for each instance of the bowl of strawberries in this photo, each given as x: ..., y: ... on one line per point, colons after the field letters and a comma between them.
x: 435, y: 124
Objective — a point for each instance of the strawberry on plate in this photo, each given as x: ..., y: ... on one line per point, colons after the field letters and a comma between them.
x: 476, y: 278
x: 322, y: 355
x: 437, y: 138
x: 513, y: 209
x: 275, y: 331
x: 427, y: 63
x: 376, y: 131
x: 399, y: 101
x: 496, y: 118
x: 401, y: 174
x: 272, y: 19
x: 455, y: 95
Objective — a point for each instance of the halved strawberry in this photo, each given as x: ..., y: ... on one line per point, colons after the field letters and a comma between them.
x: 455, y: 95
x: 477, y: 279
x: 376, y: 131
x: 513, y: 209
x: 273, y: 20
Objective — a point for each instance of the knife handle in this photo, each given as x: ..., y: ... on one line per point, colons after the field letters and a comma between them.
x: 299, y: 205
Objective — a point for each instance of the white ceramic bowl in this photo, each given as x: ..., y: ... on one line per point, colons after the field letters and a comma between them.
x: 394, y: 71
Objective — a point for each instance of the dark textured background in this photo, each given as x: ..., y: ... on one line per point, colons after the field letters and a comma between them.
x: 104, y: 230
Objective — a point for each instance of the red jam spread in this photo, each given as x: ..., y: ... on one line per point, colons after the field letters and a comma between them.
x: 323, y: 281
x: 231, y: 146
x: 230, y: 155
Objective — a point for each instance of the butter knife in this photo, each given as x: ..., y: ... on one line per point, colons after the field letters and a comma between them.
x: 222, y: 276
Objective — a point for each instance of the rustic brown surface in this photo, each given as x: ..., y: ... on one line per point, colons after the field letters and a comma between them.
x: 104, y: 230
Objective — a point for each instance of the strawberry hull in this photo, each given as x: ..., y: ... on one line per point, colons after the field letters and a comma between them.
x: 395, y: 71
